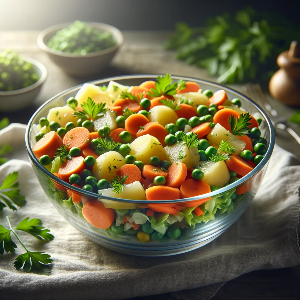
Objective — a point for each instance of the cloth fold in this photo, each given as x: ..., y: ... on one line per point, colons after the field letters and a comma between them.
x: 264, y: 237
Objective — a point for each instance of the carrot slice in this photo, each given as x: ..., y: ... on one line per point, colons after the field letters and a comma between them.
x: 191, y: 188
x: 118, y: 110
x: 176, y: 174
x: 218, y: 98
x: 146, y: 183
x: 97, y: 214
x: 130, y: 104
x: 242, y: 189
x: 156, y: 101
x: 222, y: 117
x: 253, y: 122
x: 77, y: 137
x: 73, y: 166
x: 58, y: 185
x: 94, y: 135
x: 134, y: 123
x: 198, y: 211
x: 164, y: 209
x: 89, y: 152
x: 138, y: 91
x: 202, y: 129
x: 247, y: 140
x: 132, y: 172
x: 154, y: 129
x: 186, y: 111
x: 189, y: 87
x: 48, y: 145
x: 76, y: 197
x: 150, y: 213
x: 150, y: 172
x: 114, y: 134
x: 150, y: 84
x: 238, y: 165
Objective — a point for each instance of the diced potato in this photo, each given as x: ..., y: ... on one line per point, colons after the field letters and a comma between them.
x: 163, y: 115
x: 133, y: 191
x: 179, y: 152
x: 62, y: 115
x: 195, y: 157
x: 114, y: 89
x: 198, y: 98
x: 147, y: 146
x: 219, y: 133
x: 109, y: 119
x: 236, y: 108
x: 94, y: 92
x: 107, y: 165
x: 215, y: 173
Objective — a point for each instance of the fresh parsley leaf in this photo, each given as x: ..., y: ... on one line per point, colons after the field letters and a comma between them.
x: 191, y: 140
x: 91, y: 110
x: 3, y: 123
x: 295, y: 118
x: 181, y: 155
x: 10, y: 192
x: 219, y: 157
x: 127, y: 95
x: 163, y: 86
x: 170, y: 103
x: 106, y: 144
x: 240, y: 125
x: 6, y: 243
x: 181, y: 85
x: 224, y: 146
x: 128, y: 112
x: 63, y: 153
x: 118, y: 183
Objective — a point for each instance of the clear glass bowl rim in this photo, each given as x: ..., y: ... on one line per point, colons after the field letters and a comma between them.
x: 152, y: 77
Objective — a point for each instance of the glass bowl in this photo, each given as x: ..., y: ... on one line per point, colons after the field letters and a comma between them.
x: 191, y: 237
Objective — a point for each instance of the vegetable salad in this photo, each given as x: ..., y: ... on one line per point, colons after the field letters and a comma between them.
x: 161, y: 140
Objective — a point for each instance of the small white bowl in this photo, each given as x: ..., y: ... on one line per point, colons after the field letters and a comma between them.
x: 18, y: 99
x: 81, y: 65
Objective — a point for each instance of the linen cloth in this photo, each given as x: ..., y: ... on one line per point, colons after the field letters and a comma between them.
x: 264, y: 237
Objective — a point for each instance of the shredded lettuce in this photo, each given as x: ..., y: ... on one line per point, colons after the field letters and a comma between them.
x: 121, y: 212
x: 56, y: 163
x: 139, y: 218
x: 159, y: 227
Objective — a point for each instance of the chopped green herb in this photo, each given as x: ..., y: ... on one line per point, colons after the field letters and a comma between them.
x: 103, y: 88
x: 181, y: 85
x: 181, y: 155
x: 190, y: 140
x: 170, y: 103
x: 91, y: 110
x: 115, y: 87
x: 63, y: 153
x: 106, y: 144
x: 128, y: 112
x: 240, y: 125
x: 127, y: 95
x: 118, y: 183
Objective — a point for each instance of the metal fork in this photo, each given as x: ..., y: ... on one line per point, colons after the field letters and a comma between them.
x: 254, y: 91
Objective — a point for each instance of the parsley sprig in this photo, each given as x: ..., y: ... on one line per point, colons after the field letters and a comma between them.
x: 128, y: 112
x: 163, y: 86
x: 10, y: 192
x: 130, y: 96
x: 240, y: 125
x: 117, y: 183
x: 63, y: 153
x: 191, y: 139
x: 91, y: 110
x: 37, y: 262
x: 106, y: 144
x: 224, y: 151
x: 181, y: 85
x: 170, y: 103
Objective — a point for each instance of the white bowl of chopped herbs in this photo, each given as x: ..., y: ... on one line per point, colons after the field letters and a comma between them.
x: 21, y: 80
x: 81, y: 49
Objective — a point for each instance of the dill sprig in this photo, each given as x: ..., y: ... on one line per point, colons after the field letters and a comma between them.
x: 191, y: 139
x: 106, y: 144
x: 117, y: 183
x: 170, y: 103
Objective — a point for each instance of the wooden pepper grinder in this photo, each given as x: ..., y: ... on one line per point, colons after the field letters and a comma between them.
x: 285, y: 83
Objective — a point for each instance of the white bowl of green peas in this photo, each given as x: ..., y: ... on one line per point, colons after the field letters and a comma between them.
x: 21, y: 80
x: 81, y: 49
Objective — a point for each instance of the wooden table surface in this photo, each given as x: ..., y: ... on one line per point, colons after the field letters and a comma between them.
x: 143, y: 53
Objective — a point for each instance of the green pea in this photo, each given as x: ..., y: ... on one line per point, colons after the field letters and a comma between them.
x: 91, y: 180
x: 89, y: 125
x: 261, y: 140
x: 144, y: 113
x: 234, y: 196
x: 72, y: 102
x: 75, y: 179
x: 173, y: 232
x: 39, y: 136
x: 257, y: 159
x: 145, y: 103
x: 181, y: 122
x: 236, y: 102
x: 202, y: 110
x: 159, y: 180
x: 156, y: 236
x: 45, y: 160
x: 61, y: 131
x: 70, y: 125
x: 124, y: 149
x: 125, y: 137
x: 246, y: 155
x: 171, y: 128
x: 165, y: 164
x: 232, y: 173
x: 104, y: 132
x: 120, y: 120
x: 154, y: 161
x: 79, y: 122
x: 117, y: 229
x: 194, y: 121
x: 85, y: 173
x: 54, y: 125
x: 202, y: 154
x: 139, y: 164
x: 233, y: 179
x: 89, y: 161
x: 170, y: 139
x: 212, y: 124
x: 254, y: 133
x: 130, y: 159
x: 203, y: 144
x: 94, y: 143
x: 146, y: 227
x: 75, y: 151
x: 197, y: 174
x: 88, y: 188
x: 208, y: 93
x: 260, y: 148
x: 102, y: 184
x: 259, y: 120
x: 212, y: 111
x: 210, y: 151
x: 43, y: 122
x: 213, y: 105
x: 206, y: 118
x: 213, y: 188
